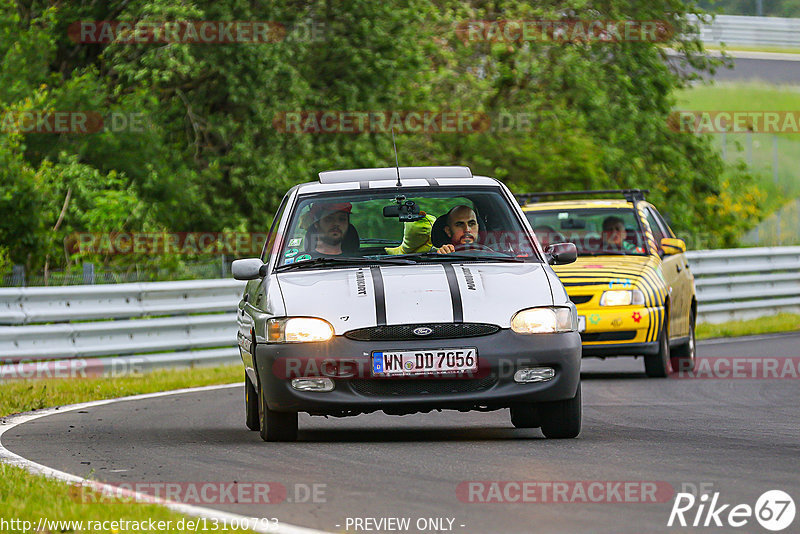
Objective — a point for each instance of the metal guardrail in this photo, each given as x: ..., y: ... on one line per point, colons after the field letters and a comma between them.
x: 141, y: 326
x: 752, y: 31
x: 112, y: 328
x: 746, y: 283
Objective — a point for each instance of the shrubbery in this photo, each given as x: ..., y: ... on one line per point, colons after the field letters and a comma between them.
x: 211, y: 159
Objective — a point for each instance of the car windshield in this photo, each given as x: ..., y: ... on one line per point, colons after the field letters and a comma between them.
x: 595, y: 232
x: 475, y: 224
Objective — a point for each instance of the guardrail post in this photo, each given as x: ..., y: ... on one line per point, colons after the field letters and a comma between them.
x: 18, y: 275
x: 88, y: 273
x: 224, y: 268
x: 724, y: 147
x: 775, y: 158
x: 749, y: 149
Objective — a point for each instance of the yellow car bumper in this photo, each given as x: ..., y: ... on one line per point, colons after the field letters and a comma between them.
x: 619, y: 330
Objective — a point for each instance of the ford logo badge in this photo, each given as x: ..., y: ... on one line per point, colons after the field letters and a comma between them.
x: 423, y: 331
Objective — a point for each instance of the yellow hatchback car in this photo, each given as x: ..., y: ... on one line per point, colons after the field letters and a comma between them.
x: 631, y: 283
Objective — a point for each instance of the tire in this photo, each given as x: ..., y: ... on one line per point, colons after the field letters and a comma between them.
x: 561, y: 419
x: 275, y: 426
x: 525, y: 416
x: 683, y: 357
x: 658, y: 365
x: 251, y: 404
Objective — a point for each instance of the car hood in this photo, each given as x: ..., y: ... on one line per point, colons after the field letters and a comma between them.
x: 431, y: 293
x: 603, y: 270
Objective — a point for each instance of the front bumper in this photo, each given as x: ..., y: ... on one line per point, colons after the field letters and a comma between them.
x: 492, y: 387
x: 620, y: 330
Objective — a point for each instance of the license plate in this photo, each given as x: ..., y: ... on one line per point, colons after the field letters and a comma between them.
x: 419, y: 362
x: 581, y: 323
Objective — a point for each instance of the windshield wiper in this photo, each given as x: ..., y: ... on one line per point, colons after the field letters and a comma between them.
x: 334, y: 260
x: 462, y: 257
x: 375, y: 241
x: 604, y: 253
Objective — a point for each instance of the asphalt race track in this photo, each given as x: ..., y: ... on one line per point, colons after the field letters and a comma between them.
x: 738, y: 437
x: 757, y: 67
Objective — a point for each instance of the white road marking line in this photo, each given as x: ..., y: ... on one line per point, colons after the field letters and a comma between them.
x: 12, y: 421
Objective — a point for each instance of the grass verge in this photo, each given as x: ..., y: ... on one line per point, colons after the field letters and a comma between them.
x: 28, y: 497
x: 745, y: 48
x: 783, y: 322
x: 760, y: 152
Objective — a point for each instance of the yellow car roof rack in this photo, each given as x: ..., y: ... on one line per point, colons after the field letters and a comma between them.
x: 631, y: 195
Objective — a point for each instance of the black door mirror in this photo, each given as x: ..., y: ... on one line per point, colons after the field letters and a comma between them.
x: 561, y: 253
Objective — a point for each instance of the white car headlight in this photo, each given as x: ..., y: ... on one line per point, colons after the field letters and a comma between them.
x: 619, y: 297
x: 549, y: 320
x: 298, y: 330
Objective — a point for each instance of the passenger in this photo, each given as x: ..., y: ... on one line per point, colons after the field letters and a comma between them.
x: 330, y: 228
x: 416, y: 237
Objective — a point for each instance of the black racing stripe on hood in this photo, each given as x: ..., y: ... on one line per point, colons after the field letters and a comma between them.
x: 380, y: 295
x: 455, y: 293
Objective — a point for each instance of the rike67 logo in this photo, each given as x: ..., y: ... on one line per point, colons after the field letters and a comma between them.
x: 774, y: 510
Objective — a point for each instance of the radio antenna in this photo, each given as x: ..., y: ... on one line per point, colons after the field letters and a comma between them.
x: 396, y: 160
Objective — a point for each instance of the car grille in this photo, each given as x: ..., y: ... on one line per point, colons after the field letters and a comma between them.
x: 580, y: 299
x: 401, y: 387
x: 622, y: 335
x: 405, y: 332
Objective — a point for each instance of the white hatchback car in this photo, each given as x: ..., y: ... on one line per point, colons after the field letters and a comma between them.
x: 406, y: 290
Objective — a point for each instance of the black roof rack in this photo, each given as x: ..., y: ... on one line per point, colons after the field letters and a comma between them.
x: 630, y: 195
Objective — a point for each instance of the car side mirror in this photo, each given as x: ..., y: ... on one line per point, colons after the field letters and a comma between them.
x: 248, y: 269
x: 561, y: 253
x: 672, y: 246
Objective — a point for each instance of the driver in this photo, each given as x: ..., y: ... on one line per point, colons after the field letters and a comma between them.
x: 462, y: 228
x: 614, y: 235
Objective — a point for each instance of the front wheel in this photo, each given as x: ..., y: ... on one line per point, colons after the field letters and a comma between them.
x: 525, y: 416
x: 658, y: 365
x: 683, y: 357
x: 251, y: 404
x: 561, y: 419
x: 275, y: 426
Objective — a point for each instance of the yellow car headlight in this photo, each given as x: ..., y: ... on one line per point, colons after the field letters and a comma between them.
x: 625, y: 297
x: 298, y: 330
x: 548, y: 320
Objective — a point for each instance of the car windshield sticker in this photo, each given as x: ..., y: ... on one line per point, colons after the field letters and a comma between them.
x: 359, y: 284
x: 304, y: 257
x: 624, y: 282
x: 288, y: 261
x: 295, y: 242
x: 291, y: 253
